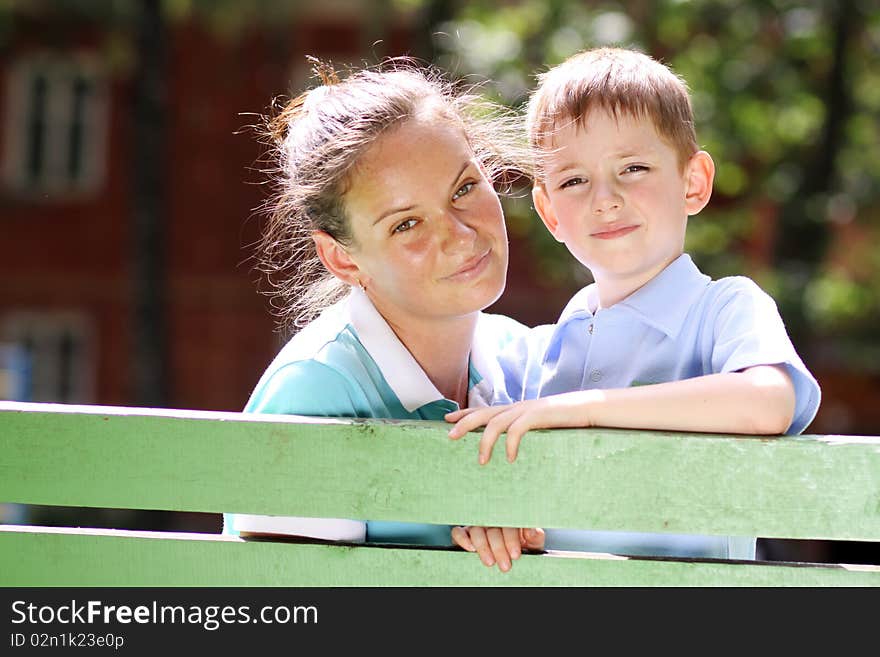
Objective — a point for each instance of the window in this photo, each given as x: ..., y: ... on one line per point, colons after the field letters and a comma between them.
x: 56, y: 124
x: 57, y: 349
x: 14, y: 372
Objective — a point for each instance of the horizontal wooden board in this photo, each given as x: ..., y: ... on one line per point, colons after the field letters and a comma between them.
x: 46, y: 557
x: 790, y: 487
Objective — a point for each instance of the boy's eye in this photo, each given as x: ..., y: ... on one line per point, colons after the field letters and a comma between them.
x: 464, y: 189
x: 635, y: 168
x: 571, y: 182
x: 405, y: 225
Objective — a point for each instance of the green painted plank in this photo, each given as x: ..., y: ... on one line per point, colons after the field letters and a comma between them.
x: 108, y: 558
x: 794, y: 487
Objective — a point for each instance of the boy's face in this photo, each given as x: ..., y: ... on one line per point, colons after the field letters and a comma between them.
x: 615, y: 194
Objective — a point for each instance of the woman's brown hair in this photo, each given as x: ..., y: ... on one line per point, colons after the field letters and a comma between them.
x: 316, y: 141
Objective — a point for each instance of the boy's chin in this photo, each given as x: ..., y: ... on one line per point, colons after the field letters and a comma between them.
x: 624, y: 268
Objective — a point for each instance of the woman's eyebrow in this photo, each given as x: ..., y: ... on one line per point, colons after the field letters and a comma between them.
x: 393, y: 211
x: 460, y: 171
x: 407, y: 208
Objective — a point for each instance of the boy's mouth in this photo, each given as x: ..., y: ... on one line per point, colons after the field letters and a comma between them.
x: 613, y: 231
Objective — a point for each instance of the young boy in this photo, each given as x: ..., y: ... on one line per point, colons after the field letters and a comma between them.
x: 653, y: 343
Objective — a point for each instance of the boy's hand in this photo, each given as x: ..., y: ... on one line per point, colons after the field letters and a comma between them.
x: 501, y: 545
x: 565, y: 410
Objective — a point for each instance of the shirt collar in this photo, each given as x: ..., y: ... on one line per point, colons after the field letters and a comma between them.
x: 663, y: 302
x: 404, y: 375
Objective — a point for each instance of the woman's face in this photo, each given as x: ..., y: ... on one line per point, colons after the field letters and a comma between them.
x: 428, y: 232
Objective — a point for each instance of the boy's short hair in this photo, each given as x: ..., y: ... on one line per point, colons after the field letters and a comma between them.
x: 617, y: 81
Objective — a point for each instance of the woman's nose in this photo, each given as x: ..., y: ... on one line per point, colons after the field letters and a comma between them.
x: 459, y: 232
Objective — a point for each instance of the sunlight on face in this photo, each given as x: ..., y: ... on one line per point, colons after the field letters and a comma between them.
x: 615, y: 194
x: 427, y: 226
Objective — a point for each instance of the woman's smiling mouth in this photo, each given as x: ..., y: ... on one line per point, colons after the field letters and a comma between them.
x: 472, y: 268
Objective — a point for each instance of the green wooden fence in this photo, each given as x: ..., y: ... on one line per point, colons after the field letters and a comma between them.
x: 810, y: 487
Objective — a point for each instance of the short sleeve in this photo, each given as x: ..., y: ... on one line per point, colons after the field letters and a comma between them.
x: 312, y: 388
x: 748, y: 331
x: 306, y: 387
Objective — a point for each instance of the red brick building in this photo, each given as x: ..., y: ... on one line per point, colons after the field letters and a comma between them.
x: 68, y: 236
x: 67, y: 289
x: 67, y: 210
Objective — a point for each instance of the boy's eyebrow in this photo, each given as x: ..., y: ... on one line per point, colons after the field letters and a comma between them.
x: 407, y: 208
x: 618, y: 155
x: 563, y: 167
x: 635, y: 152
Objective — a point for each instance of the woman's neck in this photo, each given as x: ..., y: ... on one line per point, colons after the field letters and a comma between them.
x: 442, y: 349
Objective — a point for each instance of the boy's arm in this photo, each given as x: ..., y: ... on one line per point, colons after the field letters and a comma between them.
x: 748, y: 332
x: 757, y: 400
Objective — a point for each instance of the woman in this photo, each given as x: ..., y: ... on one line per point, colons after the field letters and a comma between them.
x: 386, y: 189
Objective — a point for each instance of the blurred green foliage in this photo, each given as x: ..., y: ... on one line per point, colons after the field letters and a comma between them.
x: 787, y: 100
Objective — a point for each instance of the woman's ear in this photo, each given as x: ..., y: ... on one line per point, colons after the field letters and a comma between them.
x: 700, y: 171
x: 336, y: 259
x: 545, y: 210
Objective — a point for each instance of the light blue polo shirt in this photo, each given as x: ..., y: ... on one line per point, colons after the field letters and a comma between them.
x: 681, y: 324
x: 349, y: 363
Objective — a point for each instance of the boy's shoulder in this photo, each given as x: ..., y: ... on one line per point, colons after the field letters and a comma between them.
x: 731, y: 285
x: 681, y: 293
x: 681, y: 283
x: 679, y: 297
x: 736, y: 294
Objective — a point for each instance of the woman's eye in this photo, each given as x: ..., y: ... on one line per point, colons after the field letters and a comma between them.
x: 404, y: 226
x: 571, y: 182
x: 464, y: 189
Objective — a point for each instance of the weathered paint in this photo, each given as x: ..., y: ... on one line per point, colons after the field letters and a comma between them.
x: 109, y: 558
x: 790, y: 487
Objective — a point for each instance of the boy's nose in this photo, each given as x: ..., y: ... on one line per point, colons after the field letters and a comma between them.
x: 605, y: 199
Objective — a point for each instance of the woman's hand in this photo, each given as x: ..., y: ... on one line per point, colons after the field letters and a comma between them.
x: 501, y: 545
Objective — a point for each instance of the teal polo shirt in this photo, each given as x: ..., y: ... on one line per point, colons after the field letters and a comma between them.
x: 349, y: 363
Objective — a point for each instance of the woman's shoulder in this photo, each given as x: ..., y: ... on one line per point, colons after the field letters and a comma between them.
x: 314, y: 337
x: 314, y: 373
x: 302, y: 387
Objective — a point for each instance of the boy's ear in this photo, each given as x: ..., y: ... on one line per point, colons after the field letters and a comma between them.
x: 700, y: 176
x: 545, y: 210
x: 336, y: 259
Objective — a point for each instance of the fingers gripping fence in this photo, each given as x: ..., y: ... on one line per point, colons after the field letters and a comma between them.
x: 808, y: 487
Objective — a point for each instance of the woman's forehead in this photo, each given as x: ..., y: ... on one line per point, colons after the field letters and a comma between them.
x: 411, y: 161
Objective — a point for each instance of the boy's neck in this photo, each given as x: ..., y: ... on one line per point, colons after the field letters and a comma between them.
x: 614, y: 289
